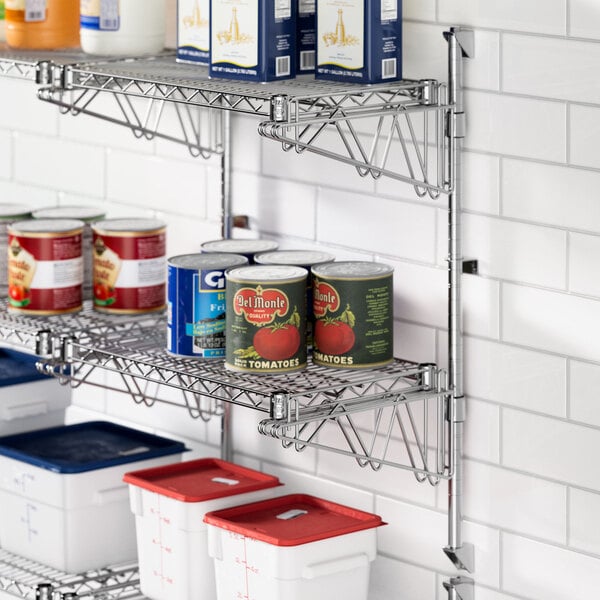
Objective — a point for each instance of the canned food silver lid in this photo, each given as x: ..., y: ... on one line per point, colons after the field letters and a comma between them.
x: 83, y: 213
x: 131, y: 225
x: 294, y: 257
x: 14, y: 211
x: 352, y: 269
x: 239, y: 246
x: 217, y: 260
x: 44, y: 226
x: 264, y: 273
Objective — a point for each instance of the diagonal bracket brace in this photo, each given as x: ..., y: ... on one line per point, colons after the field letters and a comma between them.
x: 460, y: 588
x: 465, y: 39
x: 463, y: 558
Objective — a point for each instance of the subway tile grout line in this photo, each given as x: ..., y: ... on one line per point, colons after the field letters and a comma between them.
x: 568, y: 261
x: 568, y: 388
x: 530, y: 159
x: 500, y: 559
x: 518, y: 32
x: 500, y: 436
x: 531, y: 475
x: 500, y: 62
x: 568, y: 517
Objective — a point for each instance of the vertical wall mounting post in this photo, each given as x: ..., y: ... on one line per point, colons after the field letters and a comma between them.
x: 226, y: 227
x: 460, y: 46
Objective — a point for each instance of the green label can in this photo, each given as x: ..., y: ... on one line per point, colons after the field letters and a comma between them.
x: 266, y: 319
x: 299, y: 258
x: 353, y: 308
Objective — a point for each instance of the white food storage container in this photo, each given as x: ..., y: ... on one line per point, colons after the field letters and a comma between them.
x: 293, y: 547
x: 169, y: 504
x: 62, y: 497
x: 28, y: 399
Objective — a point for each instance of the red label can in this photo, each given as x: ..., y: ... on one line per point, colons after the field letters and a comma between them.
x: 45, y: 266
x: 129, y: 265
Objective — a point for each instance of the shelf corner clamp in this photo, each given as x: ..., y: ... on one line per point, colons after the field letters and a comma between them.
x: 460, y: 588
x: 279, y: 108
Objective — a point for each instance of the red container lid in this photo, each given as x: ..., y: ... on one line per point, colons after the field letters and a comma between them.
x: 292, y: 520
x: 201, y: 480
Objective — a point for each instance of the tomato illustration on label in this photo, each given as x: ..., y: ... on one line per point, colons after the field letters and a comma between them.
x: 276, y: 342
x: 335, y: 335
x: 103, y: 294
x: 18, y: 295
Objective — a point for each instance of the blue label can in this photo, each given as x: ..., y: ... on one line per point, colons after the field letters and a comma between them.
x: 196, y: 303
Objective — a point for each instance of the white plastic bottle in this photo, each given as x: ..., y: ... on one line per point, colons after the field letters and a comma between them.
x: 122, y: 27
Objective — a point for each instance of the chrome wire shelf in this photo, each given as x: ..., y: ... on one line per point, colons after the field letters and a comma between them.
x: 395, y: 130
x: 24, y: 578
x: 162, y: 78
x: 407, y: 400
x: 44, y: 335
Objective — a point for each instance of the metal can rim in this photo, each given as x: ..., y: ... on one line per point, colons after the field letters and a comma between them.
x: 242, y: 246
x: 325, y: 257
x: 112, y: 227
x: 321, y: 271
x: 53, y: 228
x: 235, y: 260
x: 94, y: 214
x: 300, y: 274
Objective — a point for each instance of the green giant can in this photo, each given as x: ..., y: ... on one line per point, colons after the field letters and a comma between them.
x: 353, y: 308
x: 266, y: 319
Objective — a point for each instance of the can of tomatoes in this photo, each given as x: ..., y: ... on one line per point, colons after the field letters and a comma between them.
x: 129, y: 265
x: 196, y: 303
x: 45, y: 266
x: 299, y: 258
x: 353, y: 307
x: 266, y: 319
x: 9, y: 213
x: 87, y: 214
x: 245, y: 247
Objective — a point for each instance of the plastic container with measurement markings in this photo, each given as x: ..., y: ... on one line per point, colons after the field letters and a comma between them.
x: 169, y: 504
x: 293, y: 547
x: 63, y: 500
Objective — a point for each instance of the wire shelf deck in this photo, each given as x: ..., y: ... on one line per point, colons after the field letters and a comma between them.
x: 30, y: 580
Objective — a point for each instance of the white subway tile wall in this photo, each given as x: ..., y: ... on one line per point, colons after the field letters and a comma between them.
x: 532, y: 315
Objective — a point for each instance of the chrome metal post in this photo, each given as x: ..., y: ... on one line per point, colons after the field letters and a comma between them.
x: 460, y: 45
x: 226, y: 218
x: 226, y: 227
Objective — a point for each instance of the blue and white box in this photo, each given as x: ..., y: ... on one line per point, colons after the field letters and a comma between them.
x: 306, y: 37
x: 253, y: 40
x: 359, y: 41
x: 193, y: 31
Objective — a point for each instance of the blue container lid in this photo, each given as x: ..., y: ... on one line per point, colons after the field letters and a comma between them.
x: 86, y: 447
x: 17, y: 367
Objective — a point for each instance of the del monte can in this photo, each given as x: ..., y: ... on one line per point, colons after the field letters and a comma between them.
x: 266, y: 319
x: 353, y: 308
